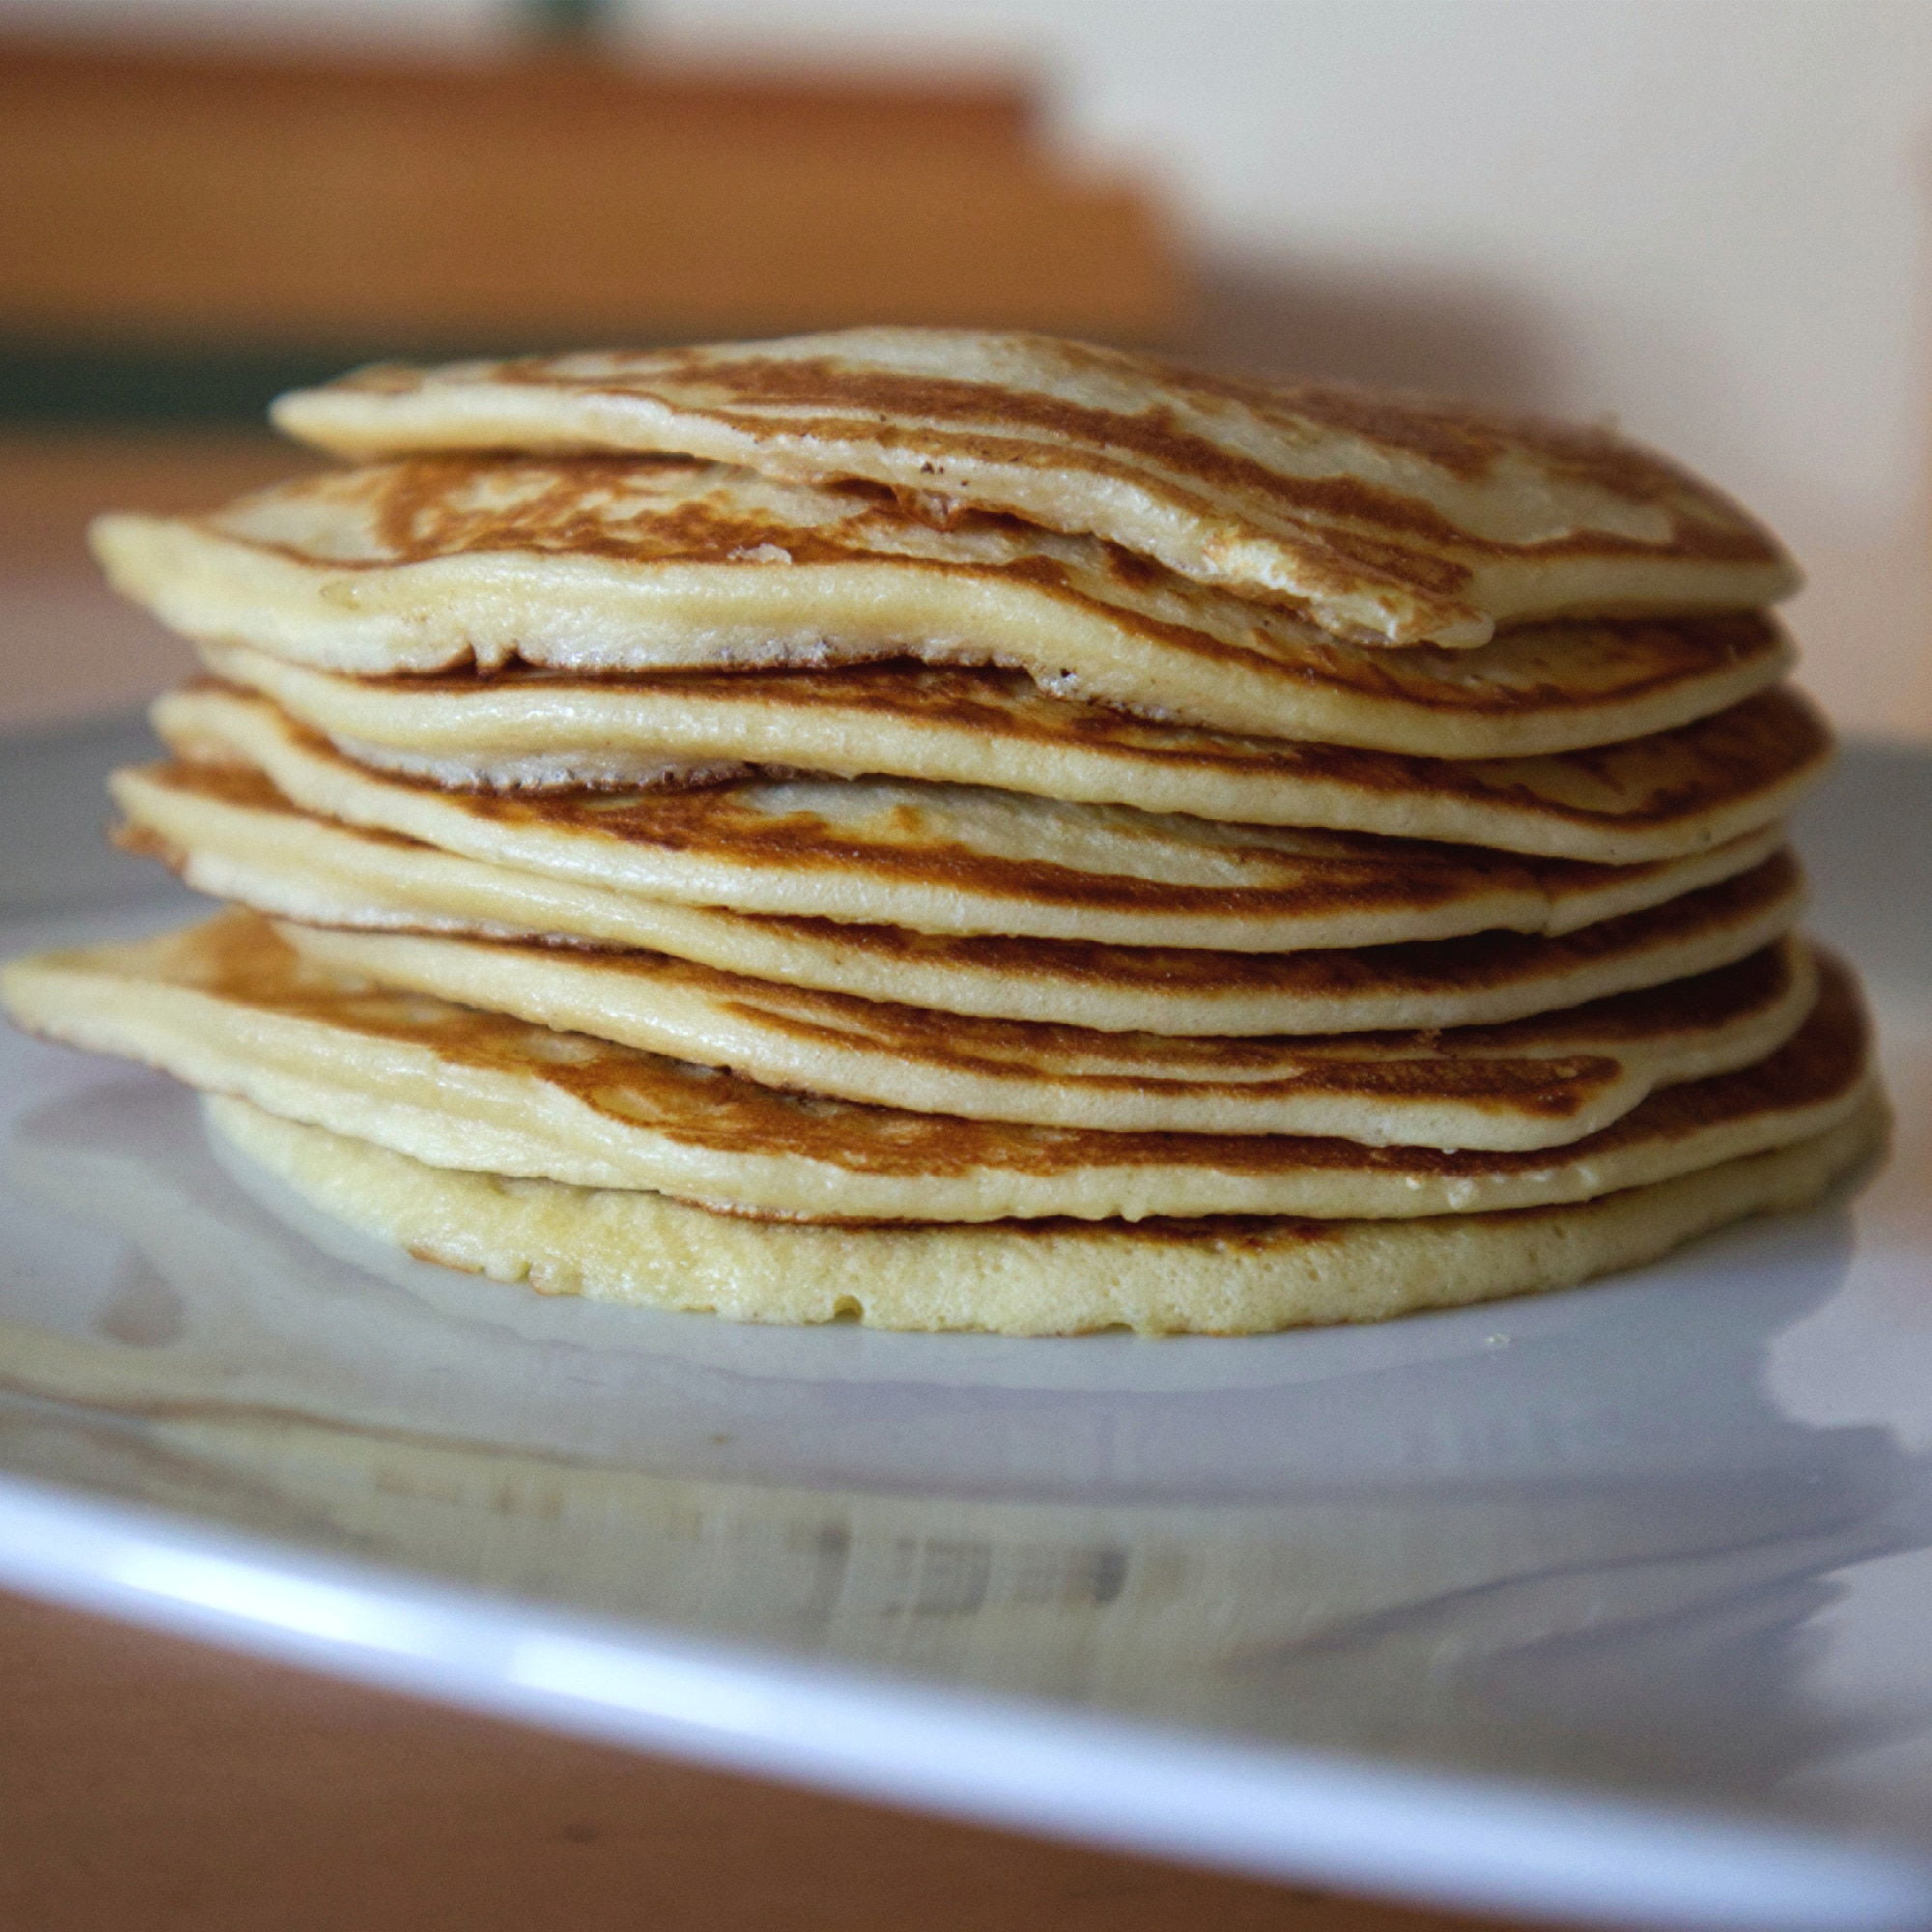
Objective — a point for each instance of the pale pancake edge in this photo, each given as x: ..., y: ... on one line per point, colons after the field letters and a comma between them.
x: 1051, y: 1278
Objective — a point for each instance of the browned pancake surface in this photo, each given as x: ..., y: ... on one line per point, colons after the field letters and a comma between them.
x: 1392, y: 517
x: 239, y: 960
x: 958, y: 859
x: 1422, y: 966
x: 653, y: 511
x: 1735, y: 754
x: 1422, y: 969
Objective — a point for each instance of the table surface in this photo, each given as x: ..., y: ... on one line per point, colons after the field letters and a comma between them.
x: 149, y: 1783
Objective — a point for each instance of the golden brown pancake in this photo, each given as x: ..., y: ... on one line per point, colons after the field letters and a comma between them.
x: 229, y: 832
x: 229, y: 1007
x: 1386, y: 520
x: 1533, y: 1083
x: 652, y: 565
x: 519, y: 729
x: 1056, y: 1277
x: 975, y: 830
x: 950, y: 858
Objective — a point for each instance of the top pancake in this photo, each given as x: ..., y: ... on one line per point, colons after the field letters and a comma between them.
x: 650, y: 565
x: 1386, y: 519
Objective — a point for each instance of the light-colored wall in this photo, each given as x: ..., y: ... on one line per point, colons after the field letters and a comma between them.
x: 1704, y: 216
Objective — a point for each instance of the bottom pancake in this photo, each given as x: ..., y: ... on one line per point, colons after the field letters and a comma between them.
x: 1225, y: 1276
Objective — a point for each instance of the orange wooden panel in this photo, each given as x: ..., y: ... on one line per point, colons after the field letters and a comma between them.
x: 543, y: 201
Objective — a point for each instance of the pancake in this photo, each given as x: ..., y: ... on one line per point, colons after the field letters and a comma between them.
x: 228, y: 1007
x: 229, y: 832
x: 956, y: 860
x: 1387, y: 519
x: 597, y: 567
x: 1531, y: 1084
x: 1224, y: 1277
x: 516, y: 729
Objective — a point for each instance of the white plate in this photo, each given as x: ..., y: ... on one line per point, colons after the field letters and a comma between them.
x: 1614, y: 1605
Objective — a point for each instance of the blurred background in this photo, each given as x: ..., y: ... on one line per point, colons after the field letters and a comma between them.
x: 1705, y: 220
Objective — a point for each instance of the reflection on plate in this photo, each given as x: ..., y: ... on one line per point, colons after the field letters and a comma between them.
x: 1521, y: 1537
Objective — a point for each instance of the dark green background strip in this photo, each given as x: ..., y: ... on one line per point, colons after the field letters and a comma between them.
x: 52, y: 383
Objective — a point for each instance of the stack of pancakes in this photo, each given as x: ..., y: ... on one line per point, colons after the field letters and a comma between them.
x: 973, y: 831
